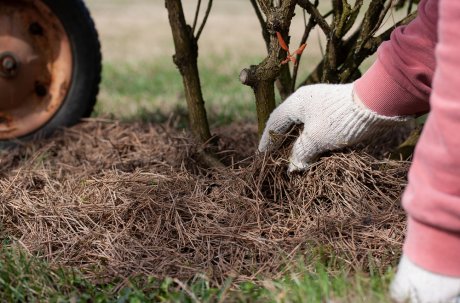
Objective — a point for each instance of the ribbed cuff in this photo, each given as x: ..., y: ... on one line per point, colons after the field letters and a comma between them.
x: 382, y: 94
x: 433, y: 249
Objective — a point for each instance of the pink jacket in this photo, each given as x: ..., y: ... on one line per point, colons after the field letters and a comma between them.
x: 418, y: 71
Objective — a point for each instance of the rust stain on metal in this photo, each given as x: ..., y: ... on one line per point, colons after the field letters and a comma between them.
x: 6, y: 123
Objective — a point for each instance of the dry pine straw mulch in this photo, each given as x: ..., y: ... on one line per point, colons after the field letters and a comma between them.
x: 116, y: 200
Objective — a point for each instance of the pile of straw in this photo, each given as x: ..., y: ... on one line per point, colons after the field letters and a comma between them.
x: 116, y: 200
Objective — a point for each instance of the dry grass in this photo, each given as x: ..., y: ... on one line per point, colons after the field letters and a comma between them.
x: 121, y: 199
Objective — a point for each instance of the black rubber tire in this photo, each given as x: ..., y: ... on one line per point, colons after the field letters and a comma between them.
x: 87, y: 68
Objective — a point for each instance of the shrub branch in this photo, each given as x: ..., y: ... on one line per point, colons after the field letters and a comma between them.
x: 185, y: 58
x: 262, y: 77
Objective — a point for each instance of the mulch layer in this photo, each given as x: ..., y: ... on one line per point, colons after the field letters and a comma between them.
x: 117, y: 200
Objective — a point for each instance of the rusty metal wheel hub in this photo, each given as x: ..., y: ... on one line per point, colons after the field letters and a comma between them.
x: 8, y: 65
x: 35, y: 66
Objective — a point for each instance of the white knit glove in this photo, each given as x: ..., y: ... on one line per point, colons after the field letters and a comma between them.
x: 331, y: 118
x: 416, y: 285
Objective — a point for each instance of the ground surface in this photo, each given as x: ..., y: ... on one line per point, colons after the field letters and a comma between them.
x: 117, y: 199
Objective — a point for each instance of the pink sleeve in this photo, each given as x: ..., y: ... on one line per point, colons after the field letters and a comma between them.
x: 399, y: 82
x: 419, y: 69
x: 432, y: 197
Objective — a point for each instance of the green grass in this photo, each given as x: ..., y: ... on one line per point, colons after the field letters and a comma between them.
x: 151, y: 91
x: 27, y: 279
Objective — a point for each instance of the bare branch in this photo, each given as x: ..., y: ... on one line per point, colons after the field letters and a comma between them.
x: 382, y: 17
x: 262, y: 77
x: 317, y: 74
x: 264, y: 6
x: 328, y: 14
x: 353, y: 61
x: 368, y: 25
x: 206, y: 15
x: 409, y: 8
x: 311, y: 24
x: 197, y: 12
x: 304, y: 17
x: 353, y: 16
x: 185, y: 58
x: 262, y: 22
x: 258, y: 13
x: 357, y: 6
x: 386, y: 35
x: 340, y: 21
x: 308, y: 27
x: 313, y: 11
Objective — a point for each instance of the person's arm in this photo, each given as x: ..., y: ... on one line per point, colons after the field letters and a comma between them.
x: 432, y: 197
x: 397, y: 86
x: 399, y: 81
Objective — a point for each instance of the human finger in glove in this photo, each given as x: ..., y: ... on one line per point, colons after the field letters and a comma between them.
x: 417, y: 71
x: 332, y: 117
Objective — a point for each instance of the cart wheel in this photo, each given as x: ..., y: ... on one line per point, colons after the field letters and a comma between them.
x: 50, y: 66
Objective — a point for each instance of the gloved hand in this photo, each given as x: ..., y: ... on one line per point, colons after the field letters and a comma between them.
x: 332, y: 119
x: 416, y: 285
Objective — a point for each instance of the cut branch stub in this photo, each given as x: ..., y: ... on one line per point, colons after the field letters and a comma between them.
x: 264, y: 92
x: 262, y: 77
x: 248, y: 77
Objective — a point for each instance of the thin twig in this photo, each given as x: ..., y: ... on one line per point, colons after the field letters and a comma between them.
x: 357, y: 6
x: 372, y: 17
x: 328, y: 14
x: 262, y: 22
x: 308, y: 27
x: 304, y: 18
x: 409, y: 8
x: 306, y: 33
x: 206, y: 15
x: 264, y: 6
x: 258, y: 13
x: 386, y: 34
x: 197, y: 12
x: 352, y: 63
x: 354, y: 13
x: 313, y: 11
x: 381, y: 18
x: 321, y: 48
